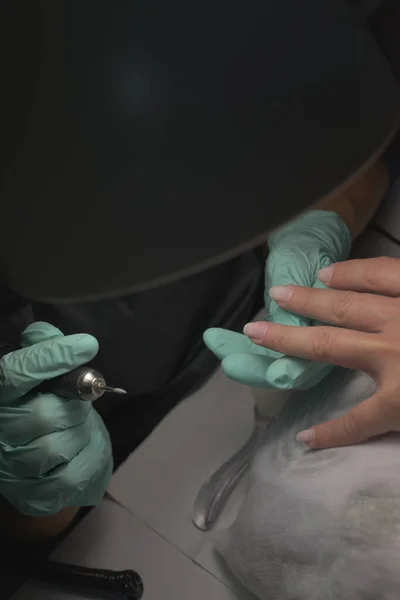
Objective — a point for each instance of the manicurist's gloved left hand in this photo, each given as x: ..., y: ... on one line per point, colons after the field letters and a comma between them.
x: 298, y: 251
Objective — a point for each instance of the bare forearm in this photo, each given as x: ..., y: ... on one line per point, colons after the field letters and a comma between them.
x: 357, y: 204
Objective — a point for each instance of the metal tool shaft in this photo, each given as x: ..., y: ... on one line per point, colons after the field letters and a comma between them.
x: 84, y: 382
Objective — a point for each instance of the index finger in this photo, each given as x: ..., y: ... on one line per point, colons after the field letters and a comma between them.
x: 365, y: 312
x: 380, y: 275
x: 343, y: 347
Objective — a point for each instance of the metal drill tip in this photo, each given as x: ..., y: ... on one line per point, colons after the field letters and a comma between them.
x: 107, y: 388
x: 119, y: 391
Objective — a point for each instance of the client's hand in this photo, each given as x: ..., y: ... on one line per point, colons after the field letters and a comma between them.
x: 366, y: 338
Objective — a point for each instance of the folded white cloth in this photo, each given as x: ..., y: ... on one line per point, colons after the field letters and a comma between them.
x: 320, y: 524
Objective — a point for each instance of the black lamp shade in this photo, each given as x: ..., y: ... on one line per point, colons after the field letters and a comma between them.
x: 149, y: 139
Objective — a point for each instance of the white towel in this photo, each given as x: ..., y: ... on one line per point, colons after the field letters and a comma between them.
x: 320, y: 525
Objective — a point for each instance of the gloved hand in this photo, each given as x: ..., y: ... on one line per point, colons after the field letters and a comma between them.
x: 54, y: 453
x: 297, y: 252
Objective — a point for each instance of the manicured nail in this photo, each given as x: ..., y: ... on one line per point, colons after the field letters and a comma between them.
x: 325, y: 275
x: 280, y: 293
x: 255, y: 331
x: 306, y: 437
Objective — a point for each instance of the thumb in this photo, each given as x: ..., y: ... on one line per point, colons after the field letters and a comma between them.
x: 364, y: 421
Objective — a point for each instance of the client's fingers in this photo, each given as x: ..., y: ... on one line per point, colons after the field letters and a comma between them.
x: 379, y: 275
x: 224, y: 343
x: 363, y: 422
x: 343, y: 347
x: 364, y: 312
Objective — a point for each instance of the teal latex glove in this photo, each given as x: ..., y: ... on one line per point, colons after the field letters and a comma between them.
x: 54, y: 453
x: 297, y: 252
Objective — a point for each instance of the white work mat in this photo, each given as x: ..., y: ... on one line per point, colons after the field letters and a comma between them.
x: 159, y: 482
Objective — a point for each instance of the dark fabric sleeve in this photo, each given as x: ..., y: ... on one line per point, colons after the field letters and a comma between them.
x: 15, y: 316
x: 385, y: 26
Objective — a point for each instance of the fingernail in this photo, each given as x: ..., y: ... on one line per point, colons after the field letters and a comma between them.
x: 325, y: 275
x: 255, y: 331
x: 306, y: 437
x: 280, y: 293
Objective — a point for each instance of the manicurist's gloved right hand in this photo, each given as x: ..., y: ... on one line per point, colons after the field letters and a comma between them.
x: 297, y: 252
x: 54, y: 453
